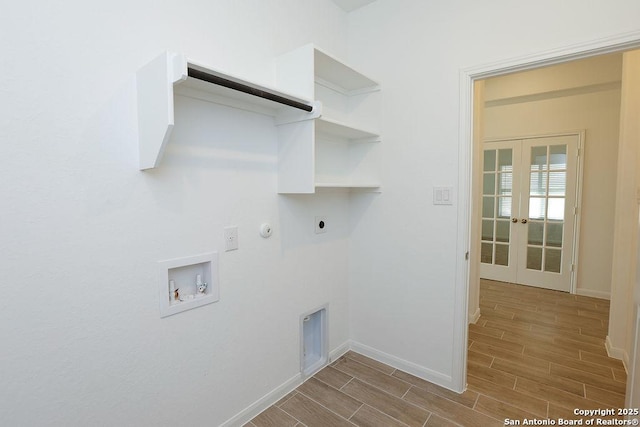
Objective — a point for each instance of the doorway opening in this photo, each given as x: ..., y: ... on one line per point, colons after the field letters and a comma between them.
x: 469, y: 127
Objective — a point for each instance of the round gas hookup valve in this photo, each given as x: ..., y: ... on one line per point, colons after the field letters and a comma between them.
x: 266, y: 230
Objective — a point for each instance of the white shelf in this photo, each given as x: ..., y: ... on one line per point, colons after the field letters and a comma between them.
x: 348, y: 186
x: 329, y: 152
x: 155, y: 85
x: 339, y: 76
x: 337, y: 129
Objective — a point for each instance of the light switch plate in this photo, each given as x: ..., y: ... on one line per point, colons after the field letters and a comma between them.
x: 443, y: 195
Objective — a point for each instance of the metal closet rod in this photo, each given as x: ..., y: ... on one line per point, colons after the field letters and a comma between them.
x: 201, y: 75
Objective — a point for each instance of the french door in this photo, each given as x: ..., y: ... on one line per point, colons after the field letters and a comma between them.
x: 529, y: 195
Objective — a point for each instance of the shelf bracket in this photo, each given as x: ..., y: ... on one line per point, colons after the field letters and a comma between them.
x: 155, y: 105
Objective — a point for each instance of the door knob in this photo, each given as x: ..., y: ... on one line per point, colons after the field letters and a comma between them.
x: 514, y: 220
x: 524, y: 220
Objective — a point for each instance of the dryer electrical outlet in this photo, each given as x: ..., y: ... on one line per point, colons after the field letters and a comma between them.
x: 321, y: 224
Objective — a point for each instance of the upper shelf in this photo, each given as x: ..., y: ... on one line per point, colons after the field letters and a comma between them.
x: 336, y: 74
x: 298, y: 70
x: 156, y: 82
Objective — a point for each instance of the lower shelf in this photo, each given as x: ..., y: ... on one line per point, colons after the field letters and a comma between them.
x: 371, y: 187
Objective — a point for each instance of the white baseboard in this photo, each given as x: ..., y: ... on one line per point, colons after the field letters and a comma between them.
x: 617, y: 353
x: 403, y: 365
x: 278, y: 393
x: 594, y: 294
x: 264, y: 402
x: 473, y: 318
x: 340, y: 351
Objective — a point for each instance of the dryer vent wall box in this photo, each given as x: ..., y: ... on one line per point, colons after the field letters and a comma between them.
x: 314, y: 353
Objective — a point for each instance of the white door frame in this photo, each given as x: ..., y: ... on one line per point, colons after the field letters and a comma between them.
x: 601, y: 46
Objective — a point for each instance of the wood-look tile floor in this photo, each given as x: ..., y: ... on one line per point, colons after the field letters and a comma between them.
x: 533, y: 354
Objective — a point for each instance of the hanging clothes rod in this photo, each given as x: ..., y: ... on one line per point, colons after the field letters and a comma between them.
x: 221, y: 81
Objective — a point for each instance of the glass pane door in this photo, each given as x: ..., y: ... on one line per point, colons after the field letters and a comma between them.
x: 499, y: 205
x: 529, y: 189
x: 497, y: 201
x: 548, y: 199
x: 547, y: 194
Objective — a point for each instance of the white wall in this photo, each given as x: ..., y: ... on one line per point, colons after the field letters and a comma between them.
x: 580, y: 95
x: 81, y: 228
x: 623, y: 280
x: 403, y: 303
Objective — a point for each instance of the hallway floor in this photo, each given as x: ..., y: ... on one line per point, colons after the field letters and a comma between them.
x: 533, y: 354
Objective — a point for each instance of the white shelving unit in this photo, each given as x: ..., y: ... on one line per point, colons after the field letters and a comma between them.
x: 331, y: 151
x: 329, y: 147
x: 170, y: 72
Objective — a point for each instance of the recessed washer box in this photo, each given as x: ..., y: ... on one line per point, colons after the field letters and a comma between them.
x: 184, y: 273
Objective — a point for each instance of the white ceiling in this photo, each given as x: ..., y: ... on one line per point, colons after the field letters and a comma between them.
x: 349, y: 5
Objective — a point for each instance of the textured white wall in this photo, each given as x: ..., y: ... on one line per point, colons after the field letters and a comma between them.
x: 404, y: 274
x: 81, y: 228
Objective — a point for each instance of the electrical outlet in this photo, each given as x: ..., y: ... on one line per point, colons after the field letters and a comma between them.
x: 230, y: 238
x: 321, y: 224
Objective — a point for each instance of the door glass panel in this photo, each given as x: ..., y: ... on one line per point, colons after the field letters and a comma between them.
x: 538, y: 184
x: 556, y: 209
x: 489, y: 184
x: 539, y: 158
x: 502, y: 254
x: 486, y: 253
x: 505, y: 160
x: 554, y: 234
x: 488, y: 207
x: 534, y: 258
x: 537, y: 207
x: 552, y: 260
x: 505, y: 184
x: 557, y: 183
x: 503, y: 229
x: 535, y: 233
x: 546, y: 176
x: 489, y: 161
x: 487, y: 229
x: 504, y: 207
x: 558, y: 157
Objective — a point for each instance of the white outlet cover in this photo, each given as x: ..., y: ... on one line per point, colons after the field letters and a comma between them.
x: 321, y: 224
x: 230, y: 238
